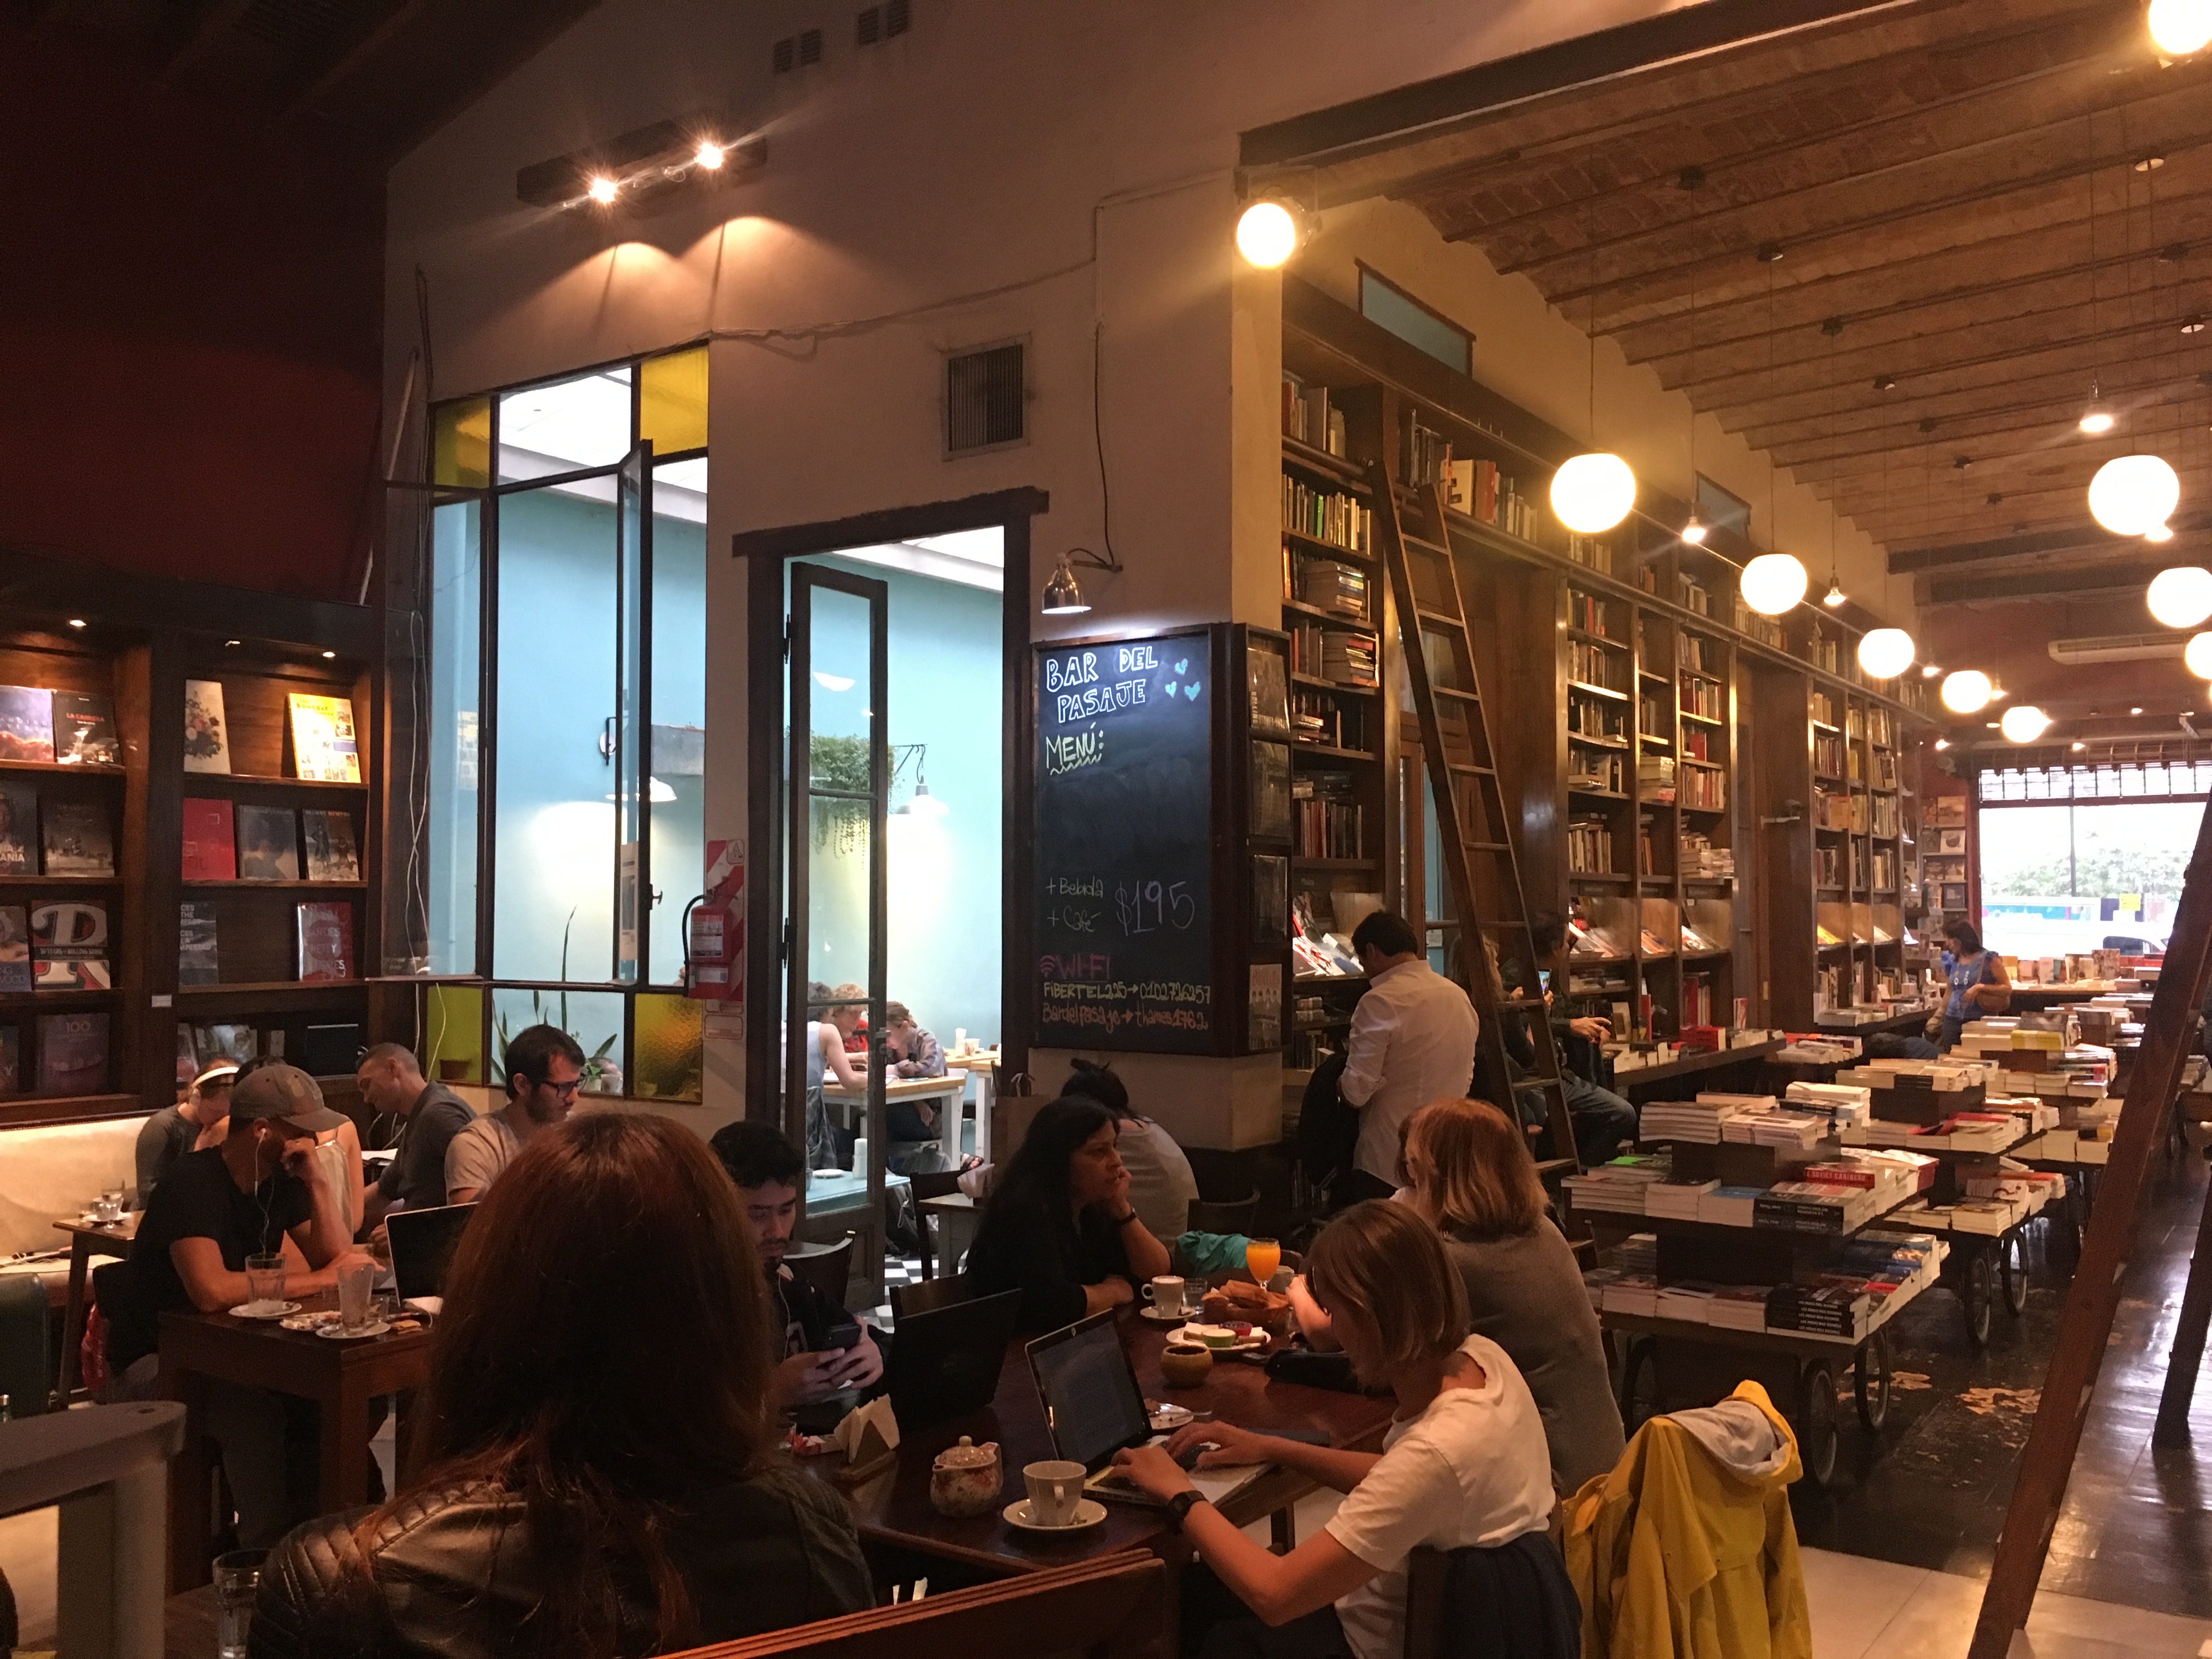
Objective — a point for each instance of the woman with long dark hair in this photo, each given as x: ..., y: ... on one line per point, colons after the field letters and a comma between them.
x: 1979, y: 984
x: 595, y: 1469
x: 1059, y: 1227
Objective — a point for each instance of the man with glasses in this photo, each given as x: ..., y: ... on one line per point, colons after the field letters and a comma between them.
x: 544, y: 1064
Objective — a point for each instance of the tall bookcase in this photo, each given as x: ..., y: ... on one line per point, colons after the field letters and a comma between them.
x: 136, y: 643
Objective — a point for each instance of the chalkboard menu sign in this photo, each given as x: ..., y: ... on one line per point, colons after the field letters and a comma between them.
x: 1124, y: 845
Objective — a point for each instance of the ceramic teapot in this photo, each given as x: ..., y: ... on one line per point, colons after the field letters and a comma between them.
x: 965, y: 1479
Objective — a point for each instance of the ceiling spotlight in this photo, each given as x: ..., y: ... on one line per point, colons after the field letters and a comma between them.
x: 1267, y: 233
x: 1942, y: 743
x: 1062, y: 597
x: 1834, y: 596
x: 1771, y: 583
x: 1768, y: 252
x: 2079, y: 745
x: 2131, y: 493
x: 232, y: 644
x: 707, y: 155
x: 1929, y: 670
x: 603, y: 190
x: 2180, y: 27
x: 2135, y: 710
x: 2193, y: 323
x: 76, y: 621
x: 1886, y: 653
x: 2197, y: 655
x: 1885, y: 383
x: 1966, y: 691
x: 1695, y: 532
x: 329, y: 656
x: 1593, y: 493
x: 2160, y: 532
x: 2024, y: 723
x: 2098, y: 418
x: 2149, y: 163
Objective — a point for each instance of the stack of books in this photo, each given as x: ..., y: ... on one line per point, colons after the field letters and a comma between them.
x: 1839, y: 1102
x: 1632, y: 1294
x: 1697, y: 1121
x: 1619, y: 1186
x: 1730, y: 1206
x: 1795, y: 1130
x: 1815, y: 1207
x: 1689, y: 1301
x: 1680, y: 1199
x: 1818, y: 1309
x: 1739, y: 1308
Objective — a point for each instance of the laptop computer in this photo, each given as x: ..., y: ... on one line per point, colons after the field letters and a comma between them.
x: 423, y: 1243
x: 946, y: 1362
x: 1093, y: 1408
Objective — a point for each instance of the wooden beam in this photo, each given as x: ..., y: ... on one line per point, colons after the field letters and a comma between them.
x: 2084, y: 535
x: 2029, y: 585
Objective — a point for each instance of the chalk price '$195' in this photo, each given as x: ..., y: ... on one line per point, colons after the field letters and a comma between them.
x: 1148, y: 907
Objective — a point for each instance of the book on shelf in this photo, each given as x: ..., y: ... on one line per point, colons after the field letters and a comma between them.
x: 211, y: 847
x: 333, y: 856
x: 69, y: 946
x: 213, y: 1043
x: 1267, y: 683
x: 1590, y: 717
x: 326, y: 941
x: 1698, y: 743
x: 1327, y: 516
x: 1331, y: 585
x: 19, y: 830
x: 11, y: 1060
x: 1309, y: 417
x: 15, y: 950
x: 1592, y: 664
x: 1589, y: 847
x: 72, y: 1054
x: 1702, y: 789
x: 27, y: 723
x: 1328, y: 821
x: 1316, y: 717
x: 324, y: 745
x: 1695, y: 598
x: 268, y: 843
x: 1590, y: 551
x: 77, y: 839
x: 84, y: 729
x: 207, y: 736
x: 1596, y: 769
x: 197, y: 961
x: 1703, y: 698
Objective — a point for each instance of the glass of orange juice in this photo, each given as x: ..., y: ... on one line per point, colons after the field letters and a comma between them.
x: 1261, y: 1257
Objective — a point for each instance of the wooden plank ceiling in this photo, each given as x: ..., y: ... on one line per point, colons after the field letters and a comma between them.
x: 1893, y: 247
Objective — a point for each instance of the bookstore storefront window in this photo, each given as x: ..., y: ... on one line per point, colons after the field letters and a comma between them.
x: 567, y: 718
x: 2076, y: 858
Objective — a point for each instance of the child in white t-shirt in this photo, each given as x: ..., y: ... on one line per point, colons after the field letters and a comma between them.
x: 1464, y: 1465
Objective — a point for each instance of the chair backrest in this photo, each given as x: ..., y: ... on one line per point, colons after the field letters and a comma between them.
x: 1115, y: 1608
x: 936, y: 1183
x: 26, y: 1368
x: 1514, y: 1597
x: 1234, y: 1216
x: 827, y: 1268
x: 927, y: 1295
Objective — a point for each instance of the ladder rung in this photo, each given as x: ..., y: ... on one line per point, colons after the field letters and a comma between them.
x: 1472, y: 771
x: 1443, y: 619
x: 1485, y: 846
x: 1444, y: 691
x: 1425, y: 546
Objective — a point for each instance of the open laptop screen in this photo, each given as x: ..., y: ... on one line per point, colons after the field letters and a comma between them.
x: 423, y: 1242
x: 1091, y: 1403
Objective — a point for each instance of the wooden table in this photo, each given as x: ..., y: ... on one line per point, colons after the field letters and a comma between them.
x: 1690, y: 1065
x: 983, y: 1065
x: 894, y: 1508
x: 947, y: 1091
x: 340, y: 1376
x: 957, y: 1217
x: 87, y: 1240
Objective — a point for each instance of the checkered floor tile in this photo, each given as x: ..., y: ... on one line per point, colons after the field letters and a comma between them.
x: 897, y: 1270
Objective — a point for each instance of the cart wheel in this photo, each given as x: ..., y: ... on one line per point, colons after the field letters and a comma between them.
x: 1816, y: 1421
x: 1639, y: 1385
x: 2012, y: 1263
x: 1870, y: 1381
x: 1977, y: 1290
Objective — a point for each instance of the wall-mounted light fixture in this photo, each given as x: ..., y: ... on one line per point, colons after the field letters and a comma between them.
x: 1063, y: 594
x: 642, y: 165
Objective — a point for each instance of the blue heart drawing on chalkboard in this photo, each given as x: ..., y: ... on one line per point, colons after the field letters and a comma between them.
x: 1184, y: 664
x: 1191, y: 692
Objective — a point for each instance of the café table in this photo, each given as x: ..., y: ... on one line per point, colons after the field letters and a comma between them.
x: 87, y: 1240
x: 341, y: 1376
x: 946, y: 1093
x: 893, y: 1509
x: 982, y: 1065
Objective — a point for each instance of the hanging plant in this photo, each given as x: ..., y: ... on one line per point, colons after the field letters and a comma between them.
x: 840, y: 763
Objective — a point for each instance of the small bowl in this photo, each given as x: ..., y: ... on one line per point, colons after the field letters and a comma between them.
x: 1185, y: 1365
x: 1211, y: 1336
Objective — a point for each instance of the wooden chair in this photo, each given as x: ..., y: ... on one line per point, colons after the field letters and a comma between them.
x: 1234, y: 1216
x: 1428, y: 1605
x: 1115, y: 1608
x: 827, y: 1268
x: 937, y: 1184
x: 930, y: 1294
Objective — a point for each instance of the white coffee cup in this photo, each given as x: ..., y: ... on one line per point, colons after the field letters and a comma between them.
x: 1166, y: 1293
x: 1056, y: 1488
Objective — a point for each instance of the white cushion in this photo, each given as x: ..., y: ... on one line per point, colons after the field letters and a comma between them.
x: 52, y: 1172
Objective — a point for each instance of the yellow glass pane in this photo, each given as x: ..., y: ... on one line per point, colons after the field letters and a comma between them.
x: 460, y: 443
x: 671, y: 401
x: 453, y: 1033
x: 669, y: 1048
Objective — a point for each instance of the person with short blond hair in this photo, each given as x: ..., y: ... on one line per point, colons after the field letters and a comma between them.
x: 1463, y: 1468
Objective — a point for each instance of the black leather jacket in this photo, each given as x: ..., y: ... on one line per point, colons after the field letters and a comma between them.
x: 449, y: 1574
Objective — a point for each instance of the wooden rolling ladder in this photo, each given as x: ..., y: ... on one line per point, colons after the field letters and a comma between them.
x: 1473, y: 824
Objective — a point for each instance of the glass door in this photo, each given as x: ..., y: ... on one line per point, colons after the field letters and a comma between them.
x: 837, y: 774
x: 632, y: 715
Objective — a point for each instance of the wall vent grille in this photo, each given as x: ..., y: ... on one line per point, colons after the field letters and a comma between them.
x: 986, y: 399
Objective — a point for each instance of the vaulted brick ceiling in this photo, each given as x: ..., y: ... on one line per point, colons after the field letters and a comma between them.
x: 1970, y: 233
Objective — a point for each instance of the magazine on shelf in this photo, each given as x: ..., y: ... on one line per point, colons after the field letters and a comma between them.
x: 15, y: 950
x: 77, y: 839
x: 236, y: 1043
x: 69, y: 946
x: 72, y: 1054
x: 332, y: 854
x: 210, y: 843
x: 19, y: 831
x: 268, y: 843
x: 11, y: 1060
x: 326, y: 941
x: 207, y: 737
x: 27, y: 723
x: 324, y: 746
x: 84, y: 729
x: 196, y: 962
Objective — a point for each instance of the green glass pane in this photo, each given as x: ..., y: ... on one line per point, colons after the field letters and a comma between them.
x: 460, y: 443
x: 671, y: 401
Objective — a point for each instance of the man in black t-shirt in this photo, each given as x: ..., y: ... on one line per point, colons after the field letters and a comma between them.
x: 263, y: 1189
x: 431, y: 1115
x: 767, y: 1171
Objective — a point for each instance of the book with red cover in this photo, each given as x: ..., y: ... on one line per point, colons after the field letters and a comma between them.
x: 326, y: 941
x: 210, y: 844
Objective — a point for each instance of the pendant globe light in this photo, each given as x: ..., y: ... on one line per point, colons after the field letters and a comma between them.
x: 2181, y: 597
x: 1966, y: 691
x: 1592, y: 492
x: 2135, y: 494
x: 1773, y: 582
x: 2181, y: 26
x: 1886, y: 653
x: 2196, y: 656
x: 2024, y: 723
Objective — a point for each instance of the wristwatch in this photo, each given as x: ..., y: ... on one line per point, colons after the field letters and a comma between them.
x: 1181, y: 1505
x: 1125, y: 1217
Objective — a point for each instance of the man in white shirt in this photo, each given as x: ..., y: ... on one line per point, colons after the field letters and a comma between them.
x: 544, y: 1068
x: 1413, y: 1042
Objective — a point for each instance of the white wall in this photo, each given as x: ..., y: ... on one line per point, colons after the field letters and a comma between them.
x: 1011, y: 167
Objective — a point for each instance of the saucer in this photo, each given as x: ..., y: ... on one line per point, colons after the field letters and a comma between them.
x: 263, y: 1309
x: 1088, y: 1514
x: 1169, y: 1417
x: 1257, y: 1340
x: 340, y: 1333
x: 1159, y: 1316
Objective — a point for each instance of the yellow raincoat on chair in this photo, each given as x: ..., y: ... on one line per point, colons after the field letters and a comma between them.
x: 1678, y: 1555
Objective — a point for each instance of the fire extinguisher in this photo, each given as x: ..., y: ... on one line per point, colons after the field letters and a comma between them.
x: 713, y: 950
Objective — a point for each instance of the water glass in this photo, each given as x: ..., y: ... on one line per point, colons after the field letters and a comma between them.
x: 237, y: 1579
x: 108, y: 1206
x: 355, y: 1306
x: 264, y: 1278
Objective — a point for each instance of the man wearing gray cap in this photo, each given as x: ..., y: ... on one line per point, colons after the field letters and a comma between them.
x: 261, y: 1190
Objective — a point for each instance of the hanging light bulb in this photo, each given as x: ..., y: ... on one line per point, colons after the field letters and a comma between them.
x: 1267, y: 233
x: 2181, y: 26
x: 2131, y: 493
x: 1062, y: 596
x: 2181, y: 597
x: 2024, y: 723
x: 1771, y: 583
x: 1593, y: 493
x: 1966, y: 691
x: 2098, y: 418
x: 2160, y: 532
x: 1886, y: 653
x: 1834, y: 596
x: 1929, y: 670
x: 1694, y: 531
x: 2197, y: 654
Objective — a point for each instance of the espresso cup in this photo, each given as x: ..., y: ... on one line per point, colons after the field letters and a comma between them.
x: 1166, y: 1293
x: 1056, y: 1488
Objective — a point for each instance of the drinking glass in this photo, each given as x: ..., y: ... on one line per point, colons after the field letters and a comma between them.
x: 1261, y: 1257
x: 237, y: 1578
x: 354, y: 1283
x: 265, y: 1278
x: 108, y: 1206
